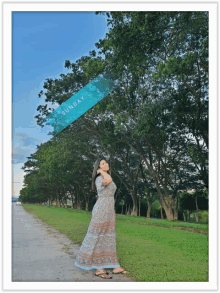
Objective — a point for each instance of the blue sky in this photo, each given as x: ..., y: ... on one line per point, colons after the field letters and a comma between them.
x: 41, y: 42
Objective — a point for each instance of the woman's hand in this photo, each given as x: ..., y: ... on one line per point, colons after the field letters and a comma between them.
x: 101, y: 172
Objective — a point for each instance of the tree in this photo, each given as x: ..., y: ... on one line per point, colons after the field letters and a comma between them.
x: 166, y: 49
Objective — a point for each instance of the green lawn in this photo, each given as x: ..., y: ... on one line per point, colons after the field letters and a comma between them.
x: 152, y: 250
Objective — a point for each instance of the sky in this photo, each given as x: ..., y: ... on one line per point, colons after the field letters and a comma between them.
x: 41, y: 42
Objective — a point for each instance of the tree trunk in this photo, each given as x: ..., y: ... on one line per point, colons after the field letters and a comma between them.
x: 87, y: 206
x: 149, y: 197
x: 161, y: 208
x: 148, y: 210
x: 135, y: 208
x: 134, y: 211
x: 75, y: 203
x: 59, y: 203
x: 197, y: 210
x: 167, y: 206
x: 175, y: 208
x: 129, y: 211
x: 161, y: 212
x: 72, y: 201
x: 78, y: 202
x: 139, y: 207
x: 57, y: 200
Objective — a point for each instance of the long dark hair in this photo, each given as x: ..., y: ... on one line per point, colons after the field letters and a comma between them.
x: 94, y: 173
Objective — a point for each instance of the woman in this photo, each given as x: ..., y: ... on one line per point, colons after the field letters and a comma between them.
x: 98, y: 249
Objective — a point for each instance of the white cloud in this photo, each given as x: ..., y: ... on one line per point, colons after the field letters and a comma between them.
x: 23, y: 146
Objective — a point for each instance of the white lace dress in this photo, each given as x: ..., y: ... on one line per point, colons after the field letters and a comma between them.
x: 98, y: 249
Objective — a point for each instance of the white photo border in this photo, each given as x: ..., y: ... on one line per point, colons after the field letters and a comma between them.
x: 7, y: 9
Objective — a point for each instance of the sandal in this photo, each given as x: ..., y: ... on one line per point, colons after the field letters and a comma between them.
x: 104, y: 275
x: 121, y: 272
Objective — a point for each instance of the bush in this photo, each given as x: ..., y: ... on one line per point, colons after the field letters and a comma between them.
x: 155, y: 210
x: 203, y: 216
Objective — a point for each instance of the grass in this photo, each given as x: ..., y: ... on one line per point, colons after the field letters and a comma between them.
x: 195, y: 227
x: 152, y: 250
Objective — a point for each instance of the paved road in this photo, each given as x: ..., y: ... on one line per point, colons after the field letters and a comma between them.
x: 41, y: 253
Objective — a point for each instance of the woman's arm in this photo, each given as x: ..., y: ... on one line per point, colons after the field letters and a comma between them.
x: 107, y: 178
